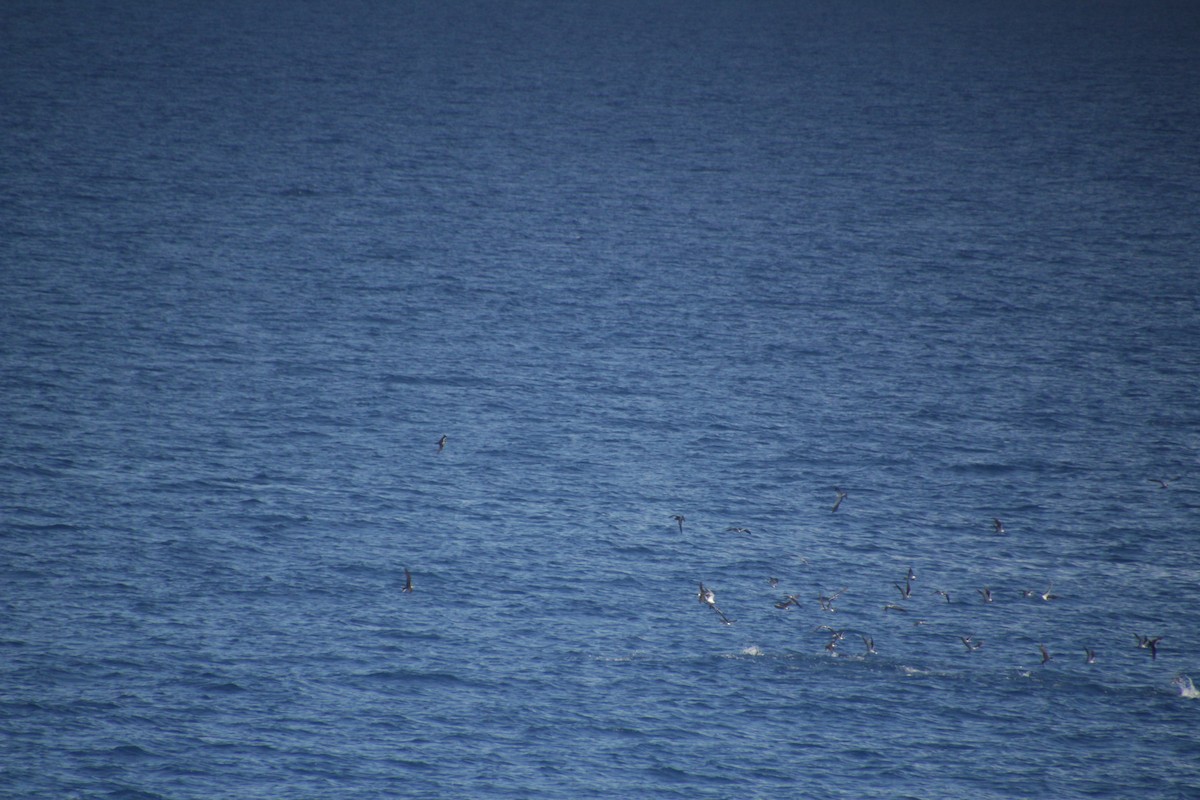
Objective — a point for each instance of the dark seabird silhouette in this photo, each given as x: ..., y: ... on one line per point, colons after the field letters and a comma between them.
x: 1152, y: 644
x: 894, y: 607
x: 827, y: 602
x: 987, y: 594
x: 738, y: 530
x: 788, y: 601
x: 1164, y: 483
x: 773, y: 581
x: 868, y: 642
x: 1089, y: 655
x: 835, y: 636
x: 944, y: 595
x: 840, y: 497
x: 972, y: 643
x: 407, y: 581
x: 910, y: 576
x: 998, y: 525
x: 708, y: 598
x: 679, y: 518
x: 1046, y: 595
x: 1045, y: 653
x: 441, y: 444
x: 905, y: 590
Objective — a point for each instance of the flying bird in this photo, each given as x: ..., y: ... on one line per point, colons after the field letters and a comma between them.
x: 679, y: 519
x: 972, y: 643
x: 827, y: 602
x: 840, y: 497
x: 905, y: 590
x: 998, y: 526
x: 708, y: 598
x: 987, y: 594
x: 1045, y: 653
x: 1089, y: 655
x: 407, y: 581
x: 1164, y: 483
x: 1146, y: 642
x: 738, y: 530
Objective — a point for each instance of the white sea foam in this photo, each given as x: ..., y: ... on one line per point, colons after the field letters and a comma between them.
x: 1186, y: 687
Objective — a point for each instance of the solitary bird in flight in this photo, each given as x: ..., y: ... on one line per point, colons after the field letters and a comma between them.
x: 708, y: 598
x: 442, y: 443
x: 1045, y: 653
x: 840, y: 497
x: 1151, y: 644
x: 998, y: 525
x: 1164, y: 483
x: 679, y: 518
x: 407, y: 581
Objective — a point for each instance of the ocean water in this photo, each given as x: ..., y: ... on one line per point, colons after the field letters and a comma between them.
x: 634, y: 260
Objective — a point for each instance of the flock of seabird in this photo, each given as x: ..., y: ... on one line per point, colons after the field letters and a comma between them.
x: 707, y: 597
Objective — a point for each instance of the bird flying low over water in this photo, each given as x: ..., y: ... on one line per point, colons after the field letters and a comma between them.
x: 407, y: 581
x: 1045, y: 653
x: 1164, y: 483
x: 944, y: 595
x: 442, y: 444
x: 997, y: 525
x: 1089, y: 655
x: 709, y: 598
x: 971, y: 642
x: 987, y: 594
x: 738, y: 530
x: 679, y: 519
x: 1146, y: 642
x: 840, y: 497
x: 827, y: 602
x: 788, y: 601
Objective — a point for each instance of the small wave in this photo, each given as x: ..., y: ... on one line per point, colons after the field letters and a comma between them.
x: 753, y: 650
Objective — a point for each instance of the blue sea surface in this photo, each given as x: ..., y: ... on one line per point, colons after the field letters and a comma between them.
x: 633, y: 260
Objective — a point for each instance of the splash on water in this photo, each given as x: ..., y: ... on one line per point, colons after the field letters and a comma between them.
x: 1186, y: 687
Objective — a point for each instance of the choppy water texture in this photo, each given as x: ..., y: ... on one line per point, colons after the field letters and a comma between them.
x: 634, y: 260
